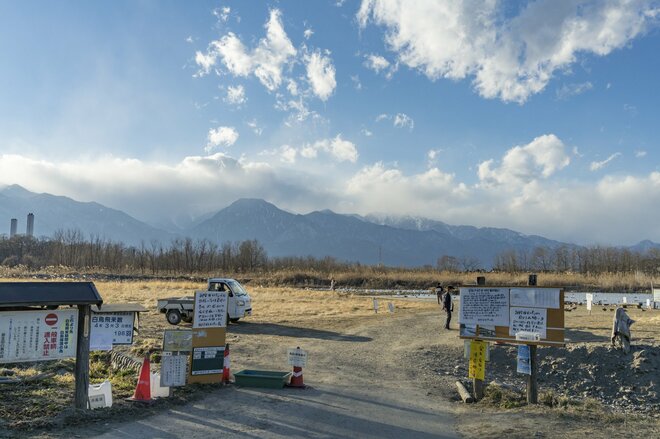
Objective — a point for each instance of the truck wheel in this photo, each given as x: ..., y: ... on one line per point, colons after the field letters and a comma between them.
x: 173, y: 316
x: 234, y: 320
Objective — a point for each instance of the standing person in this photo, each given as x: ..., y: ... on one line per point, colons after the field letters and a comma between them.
x: 438, y: 292
x: 447, y: 305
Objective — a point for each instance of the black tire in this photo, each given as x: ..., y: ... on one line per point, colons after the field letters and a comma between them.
x: 234, y: 320
x: 173, y: 316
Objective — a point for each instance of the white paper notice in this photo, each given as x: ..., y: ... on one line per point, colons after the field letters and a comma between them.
x: 173, y: 370
x: 100, y: 341
x: 533, y: 320
x: 210, y: 309
x: 535, y: 297
x: 484, y: 306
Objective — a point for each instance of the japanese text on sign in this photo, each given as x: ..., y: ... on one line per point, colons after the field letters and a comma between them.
x: 484, y: 306
x: 477, y: 366
x: 210, y: 309
x: 118, y: 326
x: 535, y: 297
x: 528, y: 320
x: 37, y: 335
x: 297, y: 357
x: 173, y: 369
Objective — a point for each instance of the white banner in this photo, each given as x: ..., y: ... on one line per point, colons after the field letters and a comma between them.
x: 38, y: 335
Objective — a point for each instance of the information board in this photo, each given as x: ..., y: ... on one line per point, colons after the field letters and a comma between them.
x: 520, y: 315
x: 207, y: 360
x: 210, y: 309
x: 177, y: 340
x: 116, y: 327
x: 38, y: 335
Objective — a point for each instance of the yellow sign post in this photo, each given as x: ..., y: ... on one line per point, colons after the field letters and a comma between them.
x: 477, y: 367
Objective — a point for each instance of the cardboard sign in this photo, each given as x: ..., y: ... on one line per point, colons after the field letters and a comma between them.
x: 477, y: 366
x: 297, y: 357
x: 173, y: 369
x: 38, y: 335
x: 524, y: 365
x: 210, y: 309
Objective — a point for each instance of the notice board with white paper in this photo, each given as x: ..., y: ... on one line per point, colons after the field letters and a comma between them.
x: 498, y: 314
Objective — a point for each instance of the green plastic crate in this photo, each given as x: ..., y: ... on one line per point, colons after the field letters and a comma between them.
x: 262, y: 378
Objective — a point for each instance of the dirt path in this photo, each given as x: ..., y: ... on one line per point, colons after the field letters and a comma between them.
x: 361, y: 386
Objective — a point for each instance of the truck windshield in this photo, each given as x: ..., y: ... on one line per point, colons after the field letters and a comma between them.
x: 236, y: 288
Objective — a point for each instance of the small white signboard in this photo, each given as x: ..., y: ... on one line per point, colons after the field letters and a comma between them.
x: 173, y: 369
x: 210, y: 309
x: 625, y: 299
x: 484, y: 306
x: 590, y: 301
x: 297, y: 357
x: 116, y: 326
x: 528, y: 320
x: 38, y: 335
x: 656, y: 294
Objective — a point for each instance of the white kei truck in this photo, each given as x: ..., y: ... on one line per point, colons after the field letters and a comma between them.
x: 239, y: 304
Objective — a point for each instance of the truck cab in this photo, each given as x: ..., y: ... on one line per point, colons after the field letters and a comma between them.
x: 239, y: 304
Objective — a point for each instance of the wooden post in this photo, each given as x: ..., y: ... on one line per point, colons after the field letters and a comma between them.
x: 532, y: 389
x: 478, y: 389
x: 82, y: 358
x: 531, y: 280
x: 481, y: 280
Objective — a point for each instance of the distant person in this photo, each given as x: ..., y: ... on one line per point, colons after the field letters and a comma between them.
x: 332, y: 284
x: 438, y: 292
x: 447, y: 305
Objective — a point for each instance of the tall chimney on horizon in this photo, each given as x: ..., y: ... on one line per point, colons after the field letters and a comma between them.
x: 13, y: 228
x: 30, y: 225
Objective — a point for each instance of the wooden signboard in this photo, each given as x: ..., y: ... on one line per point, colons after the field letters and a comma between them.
x: 519, y: 315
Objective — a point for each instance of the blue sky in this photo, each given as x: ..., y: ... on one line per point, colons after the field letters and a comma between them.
x: 539, y: 116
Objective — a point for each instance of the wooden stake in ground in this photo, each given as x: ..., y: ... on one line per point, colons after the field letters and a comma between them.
x: 532, y: 389
x: 82, y: 358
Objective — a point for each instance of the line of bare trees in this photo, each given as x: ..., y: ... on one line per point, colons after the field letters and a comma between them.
x: 72, y: 249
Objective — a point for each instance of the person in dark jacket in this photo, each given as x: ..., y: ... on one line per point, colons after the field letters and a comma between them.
x: 438, y: 292
x: 447, y: 305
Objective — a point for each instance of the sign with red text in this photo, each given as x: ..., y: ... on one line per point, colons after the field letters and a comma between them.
x: 38, y: 335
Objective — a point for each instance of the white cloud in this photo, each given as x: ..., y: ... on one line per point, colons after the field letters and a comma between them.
x: 568, y: 90
x: 235, y: 95
x: 402, y: 120
x: 640, y: 153
x: 595, y: 166
x: 540, y: 158
x: 342, y: 150
x: 308, y: 33
x: 432, y: 157
x: 508, y: 57
x: 256, y: 129
x: 365, y: 132
x: 266, y: 61
x: 201, y: 184
x: 356, y: 82
x: 376, y: 62
x: 222, y: 13
x: 221, y: 136
x: 383, y: 116
x: 288, y: 154
x: 321, y: 75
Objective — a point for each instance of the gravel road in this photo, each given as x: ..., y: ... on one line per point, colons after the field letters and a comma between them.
x: 360, y: 386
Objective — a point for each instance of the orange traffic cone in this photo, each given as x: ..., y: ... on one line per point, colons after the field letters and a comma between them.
x: 143, y: 388
x: 297, y: 378
x: 227, y: 377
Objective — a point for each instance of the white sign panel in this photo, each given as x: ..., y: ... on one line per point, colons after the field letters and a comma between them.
x: 173, y: 370
x: 117, y: 326
x: 210, y: 309
x: 529, y: 320
x: 38, y: 335
x: 590, y: 300
x: 535, y: 297
x: 484, y: 306
x: 656, y: 294
x: 297, y: 357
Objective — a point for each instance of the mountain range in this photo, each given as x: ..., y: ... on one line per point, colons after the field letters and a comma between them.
x: 390, y: 240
